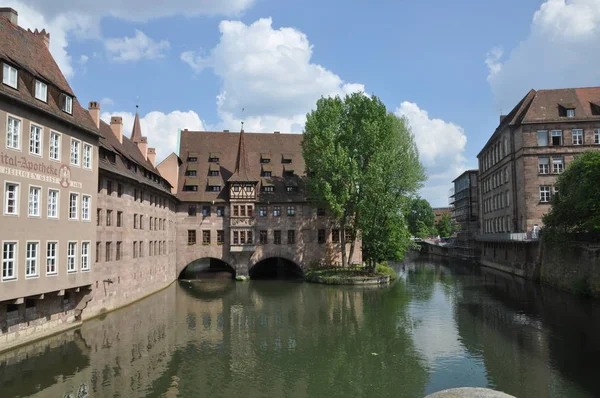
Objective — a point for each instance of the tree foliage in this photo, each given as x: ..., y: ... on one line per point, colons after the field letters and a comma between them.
x: 362, y: 165
x: 576, y: 206
x: 444, y: 226
x: 421, y: 218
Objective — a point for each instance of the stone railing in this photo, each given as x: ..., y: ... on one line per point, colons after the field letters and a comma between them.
x: 531, y: 236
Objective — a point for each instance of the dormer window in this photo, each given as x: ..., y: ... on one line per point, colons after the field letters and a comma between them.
x: 265, y: 158
x: 269, y: 189
x: 41, y: 91
x: 9, y: 76
x: 286, y: 159
x: 570, y: 112
x: 68, y: 104
x: 213, y: 157
x: 192, y: 159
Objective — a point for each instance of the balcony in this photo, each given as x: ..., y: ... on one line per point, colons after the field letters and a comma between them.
x: 531, y: 236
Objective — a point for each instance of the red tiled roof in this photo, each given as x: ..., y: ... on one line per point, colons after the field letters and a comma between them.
x: 546, y: 105
x: 242, y: 172
x: 136, y: 132
x: 27, y: 52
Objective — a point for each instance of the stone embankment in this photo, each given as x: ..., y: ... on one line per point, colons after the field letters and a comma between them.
x: 469, y: 392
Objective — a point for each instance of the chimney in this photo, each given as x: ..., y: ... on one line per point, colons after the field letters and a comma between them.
x: 116, y: 125
x: 502, y: 118
x: 152, y: 155
x: 94, y: 109
x: 10, y: 14
x: 276, y: 132
x: 43, y: 35
x: 143, y: 147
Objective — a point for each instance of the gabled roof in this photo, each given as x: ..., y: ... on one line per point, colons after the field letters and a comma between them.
x: 26, y: 51
x: 242, y: 172
x: 546, y: 105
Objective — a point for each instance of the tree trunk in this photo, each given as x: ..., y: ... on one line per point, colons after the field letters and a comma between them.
x: 343, y: 241
x: 351, y: 249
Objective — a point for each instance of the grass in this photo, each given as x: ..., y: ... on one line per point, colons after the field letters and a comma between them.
x: 349, y: 275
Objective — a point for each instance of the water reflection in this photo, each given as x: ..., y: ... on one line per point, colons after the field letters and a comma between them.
x: 439, y: 326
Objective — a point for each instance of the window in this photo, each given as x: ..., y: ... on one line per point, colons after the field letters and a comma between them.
x: 9, y: 253
x: 191, y: 236
x: 262, y: 211
x: 289, y: 189
x: 276, y: 211
x: 236, y: 211
x: 87, y: 157
x: 141, y: 222
x: 335, y: 235
x: 220, y: 237
x: 506, y: 175
x: 291, y: 211
x: 542, y: 138
x: 570, y: 112
x: 72, y: 257
x: 135, y: 249
x: 213, y: 173
x: 109, y: 214
x: 321, y: 236
x: 119, y: 255
x: 545, y: 193
x: 51, y: 259
x: 85, y: 256
x: 11, y: 198
x: 31, y: 259
x: 73, y: 208
x: 68, y: 104
x: 578, y: 137
x: 249, y: 238
x: 150, y: 248
x: 108, y: 253
x: 557, y: 166
x: 214, y: 188
x: 291, y: 237
x: 205, y: 211
x: 263, y: 237
x: 277, y: 237
x: 192, y: 159
x: 190, y: 188
x: 320, y: 212
x: 86, y: 204
x: 191, y: 210
x: 34, y: 201
x: 243, y: 211
x: 206, y: 237
x: 507, y: 201
x: 544, y: 165
x: 54, y: 146
x: 213, y: 159
x: 269, y: 188
x: 119, y: 219
x: 236, y: 238
x: 266, y: 173
x: 220, y: 211
x: 249, y: 211
x: 109, y: 187
x: 597, y: 136
x: 75, y: 144
x: 13, y: 133
x: 35, y: 140
x: 9, y: 76
x: 190, y: 173
x: 248, y: 188
x: 41, y: 91
x: 556, y: 137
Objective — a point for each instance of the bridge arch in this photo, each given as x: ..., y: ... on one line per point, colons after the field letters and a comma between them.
x: 276, y: 267
x: 206, y: 267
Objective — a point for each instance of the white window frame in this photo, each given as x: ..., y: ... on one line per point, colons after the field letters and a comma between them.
x: 547, y: 137
x: 32, y: 262
x: 55, y: 214
x: 10, y: 134
x: 68, y: 104
x: 85, y: 255
x: 86, y: 210
x: 10, y: 75
x: 14, y: 260
x: 577, y: 133
x: 53, y: 257
x: 57, y: 149
x: 76, y: 202
x: 546, y: 169
x: 34, y: 205
x: 72, y: 256
x: 558, y: 162
x: 597, y: 136
x: 16, y: 199
x: 556, y: 133
x: 75, y: 160
x: 41, y: 91
x: 88, y: 154
x: 35, y: 143
x: 545, y: 190
x: 571, y: 112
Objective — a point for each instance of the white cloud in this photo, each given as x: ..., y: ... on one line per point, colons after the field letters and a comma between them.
x: 135, y: 48
x: 83, y: 59
x: 441, y: 148
x: 561, y: 50
x: 160, y: 128
x: 269, y: 73
x: 107, y: 101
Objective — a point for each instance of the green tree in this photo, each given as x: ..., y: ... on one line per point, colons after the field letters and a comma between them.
x: 444, y: 226
x: 576, y: 206
x: 420, y: 218
x: 362, y: 165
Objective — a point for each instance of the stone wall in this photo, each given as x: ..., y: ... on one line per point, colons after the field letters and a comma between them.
x: 517, y: 258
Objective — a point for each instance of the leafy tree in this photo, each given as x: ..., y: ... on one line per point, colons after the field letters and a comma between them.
x: 444, y: 226
x: 576, y: 206
x: 420, y: 218
x: 362, y: 164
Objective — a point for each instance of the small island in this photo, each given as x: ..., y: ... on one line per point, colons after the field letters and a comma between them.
x: 383, y: 274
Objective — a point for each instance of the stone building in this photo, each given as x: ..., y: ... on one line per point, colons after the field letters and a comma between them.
x: 244, y: 206
x: 440, y: 211
x: 48, y: 179
x: 518, y: 167
x: 465, y: 215
x: 134, y: 254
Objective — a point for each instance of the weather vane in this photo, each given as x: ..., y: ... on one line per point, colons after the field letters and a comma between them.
x: 243, y: 118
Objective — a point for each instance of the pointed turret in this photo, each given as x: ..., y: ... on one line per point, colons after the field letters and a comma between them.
x: 136, y: 133
x: 242, y: 167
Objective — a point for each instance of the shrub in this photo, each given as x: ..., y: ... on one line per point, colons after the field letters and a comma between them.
x: 385, y: 269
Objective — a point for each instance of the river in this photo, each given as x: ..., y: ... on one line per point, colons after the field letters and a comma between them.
x: 439, y: 326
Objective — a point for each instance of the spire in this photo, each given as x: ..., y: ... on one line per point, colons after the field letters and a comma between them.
x: 242, y: 167
x: 136, y: 133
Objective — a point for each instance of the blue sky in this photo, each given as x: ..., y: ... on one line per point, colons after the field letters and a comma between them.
x: 449, y: 67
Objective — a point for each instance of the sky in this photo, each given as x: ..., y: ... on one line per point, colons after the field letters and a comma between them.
x: 451, y: 67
